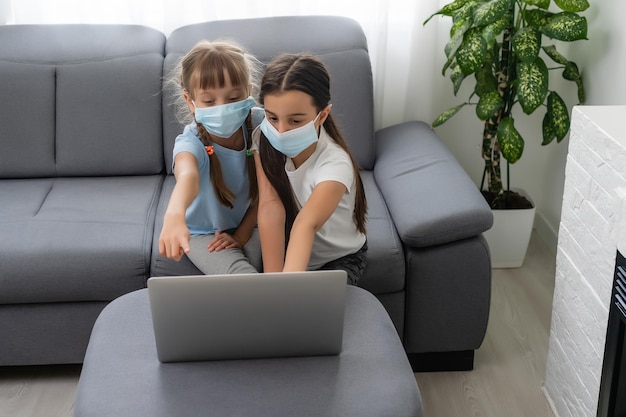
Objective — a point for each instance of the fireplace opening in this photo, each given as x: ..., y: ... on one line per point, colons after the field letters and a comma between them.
x: 612, y: 399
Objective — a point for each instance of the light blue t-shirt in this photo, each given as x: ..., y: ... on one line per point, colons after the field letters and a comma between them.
x: 206, y: 214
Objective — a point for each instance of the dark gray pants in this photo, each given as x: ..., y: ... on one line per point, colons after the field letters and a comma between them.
x: 353, y: 264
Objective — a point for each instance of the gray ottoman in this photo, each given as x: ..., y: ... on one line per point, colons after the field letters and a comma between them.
x: 122, y: 376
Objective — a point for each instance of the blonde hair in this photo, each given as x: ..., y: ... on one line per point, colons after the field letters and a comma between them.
x: 204, y: 67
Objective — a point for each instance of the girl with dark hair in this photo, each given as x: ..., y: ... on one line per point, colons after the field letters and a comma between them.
x: 312, y: 207
x: 211, y: 215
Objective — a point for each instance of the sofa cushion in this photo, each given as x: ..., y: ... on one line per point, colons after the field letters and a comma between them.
x: 91, y: 236
x: 108, y: 117
x: 431, y: 198
x: 27, y: 117
x: 385, y: 270
x: 82, y: 100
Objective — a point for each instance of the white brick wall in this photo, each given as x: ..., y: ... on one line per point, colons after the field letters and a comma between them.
x: 593, y: 226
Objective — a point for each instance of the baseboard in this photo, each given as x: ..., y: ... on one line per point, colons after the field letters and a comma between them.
x: 442, y: 361
x: 550, y: 401
x: 547, y: 232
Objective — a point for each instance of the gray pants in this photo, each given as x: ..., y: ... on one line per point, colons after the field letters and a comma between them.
x: 226, y: 261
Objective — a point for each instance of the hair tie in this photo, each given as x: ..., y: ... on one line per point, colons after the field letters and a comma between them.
x: 209, y: 150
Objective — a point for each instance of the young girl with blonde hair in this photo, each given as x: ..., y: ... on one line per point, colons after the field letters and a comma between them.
x: 211, y: 214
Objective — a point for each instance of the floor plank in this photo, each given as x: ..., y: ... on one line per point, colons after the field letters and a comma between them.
x: 38, y: 391
x: 506, y: 382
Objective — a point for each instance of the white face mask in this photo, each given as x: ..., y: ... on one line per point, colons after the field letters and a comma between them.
x: 226, y: 119
x: 291, y: 142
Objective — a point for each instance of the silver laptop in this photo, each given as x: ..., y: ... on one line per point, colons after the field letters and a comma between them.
x: 214, y: 317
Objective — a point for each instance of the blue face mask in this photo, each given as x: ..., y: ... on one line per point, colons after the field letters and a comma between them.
x: 226, y: 119
x: 291, y: 142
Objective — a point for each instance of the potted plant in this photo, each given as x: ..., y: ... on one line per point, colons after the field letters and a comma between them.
x: 502, y: 43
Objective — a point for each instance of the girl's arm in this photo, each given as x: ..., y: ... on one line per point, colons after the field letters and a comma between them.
x: 244, y: 230
x: 316, y: 211
x: 271, y: 221
x: 174, y: 238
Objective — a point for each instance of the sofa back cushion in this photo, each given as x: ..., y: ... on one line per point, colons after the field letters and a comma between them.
x: 339, y: 42
x: 80, y: 100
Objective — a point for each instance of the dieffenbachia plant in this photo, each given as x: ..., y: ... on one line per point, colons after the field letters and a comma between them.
x: 502, y: 43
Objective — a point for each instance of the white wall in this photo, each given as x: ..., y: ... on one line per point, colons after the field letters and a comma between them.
x: 593, y: 226
x: 6, y: 12
x: 602, y: 61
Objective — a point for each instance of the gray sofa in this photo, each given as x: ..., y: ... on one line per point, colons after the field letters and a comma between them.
x: 86, y: 134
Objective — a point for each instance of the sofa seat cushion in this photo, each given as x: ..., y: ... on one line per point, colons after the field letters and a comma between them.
x: 385, y: 270
x: 92, y: 236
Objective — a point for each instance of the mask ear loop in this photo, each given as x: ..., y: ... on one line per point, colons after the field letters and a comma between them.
x: 249, y: 139
x: 210, y: 150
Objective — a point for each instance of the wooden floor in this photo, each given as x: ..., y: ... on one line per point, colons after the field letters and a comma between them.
x: 506, y: 382
x: 44, y: 391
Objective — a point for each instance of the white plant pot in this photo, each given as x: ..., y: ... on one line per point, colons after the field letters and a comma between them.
x: 509, y: 236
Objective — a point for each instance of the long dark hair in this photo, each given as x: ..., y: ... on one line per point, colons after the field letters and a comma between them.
x: 204, y: 67
x: 305, y: 73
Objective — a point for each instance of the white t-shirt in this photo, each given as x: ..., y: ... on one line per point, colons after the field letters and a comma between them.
x: 339, y: 236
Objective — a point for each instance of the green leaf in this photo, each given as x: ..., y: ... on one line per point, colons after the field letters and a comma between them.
x: 456, y: 37
x: 488, y: 105
x: 462, y: 26
x: 493, y: 30
x: 453, y: 45
x: 544, y: 4
x: 571, y: 71
x: 449, y: 64
x: 547, y: 129
x: 572, y: 5
x: 486, y: 81
x: 511, y: 142
x: 532, y: 85
x: 457, y: 78
x: 551, y: 51
x: 526, y: 44
x: 471, y: 54
x: 581, y: 91
x: 537, y: 17
x: 446, y: 115
x: 559, y: 116
x: 566, y: 27
x: 448, y: 9
x: 466, y: 12
x: 491, y: 11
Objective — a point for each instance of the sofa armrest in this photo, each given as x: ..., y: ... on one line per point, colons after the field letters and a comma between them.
x: 430, y: 197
